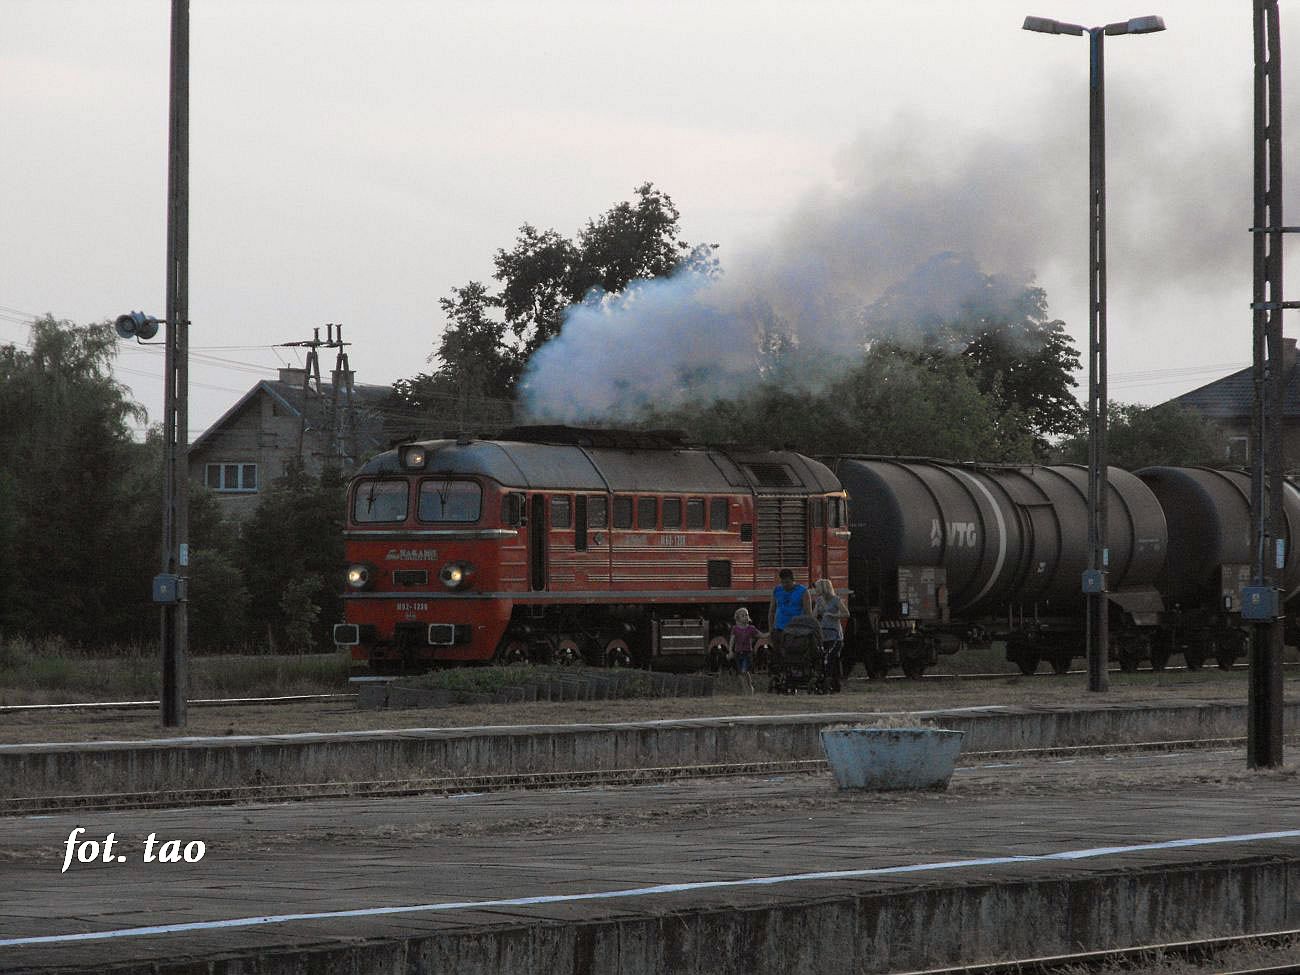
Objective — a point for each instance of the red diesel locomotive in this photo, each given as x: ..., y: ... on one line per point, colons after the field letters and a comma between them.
x: 564, y: 544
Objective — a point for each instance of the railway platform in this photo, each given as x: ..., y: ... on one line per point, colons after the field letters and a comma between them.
x: 781, y: 874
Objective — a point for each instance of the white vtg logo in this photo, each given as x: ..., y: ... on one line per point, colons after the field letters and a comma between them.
x: 961, y: 534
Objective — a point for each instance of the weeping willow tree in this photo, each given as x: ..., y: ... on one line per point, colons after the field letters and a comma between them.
x: 78, y: 494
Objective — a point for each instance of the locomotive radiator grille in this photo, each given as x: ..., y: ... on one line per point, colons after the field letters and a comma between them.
x: 782, y: 531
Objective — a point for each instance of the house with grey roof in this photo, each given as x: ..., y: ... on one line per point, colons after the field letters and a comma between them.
x: 1230, y: 403
x: 340, y: 422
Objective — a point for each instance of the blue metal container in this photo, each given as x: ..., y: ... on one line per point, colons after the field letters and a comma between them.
x: 891, y: 758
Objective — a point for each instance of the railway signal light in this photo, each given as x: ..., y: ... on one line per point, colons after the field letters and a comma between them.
x: 136, y: 325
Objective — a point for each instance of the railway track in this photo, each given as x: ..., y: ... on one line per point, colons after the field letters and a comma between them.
x: 345, y: 698
x: 209, y: 702
x: 455, y: 785
x: 1201, y: 953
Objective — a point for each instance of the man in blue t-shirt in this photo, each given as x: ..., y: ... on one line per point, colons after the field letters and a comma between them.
x: 788, y: 601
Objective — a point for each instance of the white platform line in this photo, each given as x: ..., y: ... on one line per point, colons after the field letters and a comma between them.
x: 248, y: 922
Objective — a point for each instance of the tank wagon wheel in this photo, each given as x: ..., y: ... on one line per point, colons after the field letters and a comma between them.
x: 568, y: 653
x: 1028, y: 665
x: 1061, y: 665
x: 717, y: 654
x: 1159, y: 659
x: 513, y: 651
x: 1225, y: 660
x: 1128, y: 663
x: 876, y: 668
x: 617, y: 654
x: 914, y: 669
x: 1193, y: 659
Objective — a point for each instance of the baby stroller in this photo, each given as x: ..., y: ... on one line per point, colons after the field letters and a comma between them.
x: 797, y: 661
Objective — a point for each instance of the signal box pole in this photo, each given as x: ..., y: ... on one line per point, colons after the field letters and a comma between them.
x: 1261, y: 602
x: 175, y: 554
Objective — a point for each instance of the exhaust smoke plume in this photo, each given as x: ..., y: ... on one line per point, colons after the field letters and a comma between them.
x: 904, y: 243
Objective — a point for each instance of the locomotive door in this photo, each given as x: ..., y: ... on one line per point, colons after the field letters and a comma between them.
x: 537, y: 544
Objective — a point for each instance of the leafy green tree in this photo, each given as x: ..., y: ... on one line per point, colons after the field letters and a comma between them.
x: 293, y: 543
x: 76, y: 503
x: 218, y: 602
x: 999, y: 326
x: 218, y: 596
x: 478, y: 367
x: 488, y: 337
x: 545, y: 272
x: 894, y: 401
x: 1140, y: 436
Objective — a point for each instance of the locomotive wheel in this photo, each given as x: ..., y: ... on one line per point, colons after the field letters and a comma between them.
x: 513, y: 651
x: 1193, y: 660
x: 914, y: 669
x: 1128, y: 664
x: 1028, y: 665
x: 1061, y: 665
x: 568, y: 653
x: 618, y: 654
x: 1159, y: 659
x: 876, y: 669
x: 1225, y: 661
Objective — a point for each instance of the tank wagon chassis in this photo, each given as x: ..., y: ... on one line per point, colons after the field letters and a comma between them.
x: 945, y: 556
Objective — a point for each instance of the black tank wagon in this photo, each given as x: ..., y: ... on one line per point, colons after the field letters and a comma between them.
x: 945, y: 554
x: 1211, y: 560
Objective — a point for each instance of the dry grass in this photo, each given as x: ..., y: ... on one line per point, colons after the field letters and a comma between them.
x: 53, y: 672
x: 1245, y: 956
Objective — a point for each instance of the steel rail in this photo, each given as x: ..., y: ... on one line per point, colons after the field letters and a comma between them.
x: 212, y: 702
x: 207, y: 702
x: 452, y: 785
x: 1200, y: 951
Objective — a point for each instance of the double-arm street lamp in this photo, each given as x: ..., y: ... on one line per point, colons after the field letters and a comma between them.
x: 1094, y: 579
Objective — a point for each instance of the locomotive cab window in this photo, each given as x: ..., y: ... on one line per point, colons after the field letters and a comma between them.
x: 460, y: 501
x: 561, y: 511
x: 622, y: 512
x: 718, y: 515
x: 512, y: 510
x: 379, y: 501
x: 672, y: 513
x: 695, y: 514
x: 647, y: 513
x: 597, y: 512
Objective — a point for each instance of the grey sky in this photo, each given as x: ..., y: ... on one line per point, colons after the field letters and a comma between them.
x: 352, y: 162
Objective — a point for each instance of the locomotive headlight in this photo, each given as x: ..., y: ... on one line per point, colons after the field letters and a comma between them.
x: 412, y: 457
x: 455, y: 574
x: 358, y: 576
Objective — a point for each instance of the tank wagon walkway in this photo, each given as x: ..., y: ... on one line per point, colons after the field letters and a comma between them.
x: 759, y: 875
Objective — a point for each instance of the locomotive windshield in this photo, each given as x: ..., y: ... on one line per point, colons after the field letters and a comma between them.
x: 449, y: 501
x: 378, y: 501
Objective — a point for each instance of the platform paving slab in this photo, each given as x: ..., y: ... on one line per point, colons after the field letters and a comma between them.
x: 347, y: 854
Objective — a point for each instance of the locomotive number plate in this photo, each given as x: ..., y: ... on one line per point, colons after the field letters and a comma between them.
x: 412, y: 607
x: 673, y: 541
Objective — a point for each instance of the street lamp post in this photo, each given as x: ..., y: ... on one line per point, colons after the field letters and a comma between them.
x: 1094, y: 579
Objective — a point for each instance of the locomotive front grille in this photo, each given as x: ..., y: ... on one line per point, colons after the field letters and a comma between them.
x: 411, y: 577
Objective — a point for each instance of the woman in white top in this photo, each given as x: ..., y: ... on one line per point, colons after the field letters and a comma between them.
x: 830, y: 610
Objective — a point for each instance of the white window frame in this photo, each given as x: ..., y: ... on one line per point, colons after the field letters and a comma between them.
x: 219, y: 484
